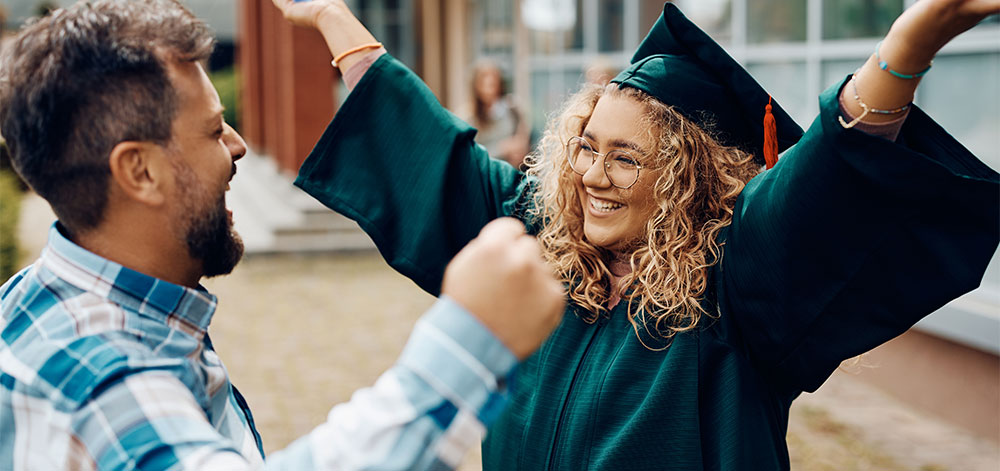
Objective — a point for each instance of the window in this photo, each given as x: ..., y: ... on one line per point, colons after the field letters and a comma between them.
x: 712, y: 16
x: 776, y: 21
x: 783, y: 79
x: 392, y: 22
x: 795, y: 48
x: 497, y: 22
x: 973, y: 118
x: 610, y: 29
x: 846, y: 19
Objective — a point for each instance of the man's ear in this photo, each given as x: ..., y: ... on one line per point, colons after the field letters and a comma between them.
x: 141, y: 171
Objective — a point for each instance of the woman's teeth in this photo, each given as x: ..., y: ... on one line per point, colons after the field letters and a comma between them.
x: 604, y: 206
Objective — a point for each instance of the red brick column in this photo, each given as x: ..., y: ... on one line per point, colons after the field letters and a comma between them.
x: 251, y: 124
x: 288, y: 85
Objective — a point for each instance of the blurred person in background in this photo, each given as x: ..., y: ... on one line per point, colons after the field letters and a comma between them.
x: 105, y: 357
x: 501, y: 128
x: 3, y: 24
x: 705, y: 293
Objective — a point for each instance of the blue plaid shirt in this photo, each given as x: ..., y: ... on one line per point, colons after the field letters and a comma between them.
x: 102, y: 367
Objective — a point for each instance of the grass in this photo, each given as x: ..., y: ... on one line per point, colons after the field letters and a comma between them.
x: 227, y: 83
x: 10, y: 209
x: 820, y: 443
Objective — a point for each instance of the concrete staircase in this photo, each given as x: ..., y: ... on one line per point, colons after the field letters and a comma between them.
x: 273, y: 216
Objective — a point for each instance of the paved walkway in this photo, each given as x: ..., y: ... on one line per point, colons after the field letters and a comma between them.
x: 300, y: 333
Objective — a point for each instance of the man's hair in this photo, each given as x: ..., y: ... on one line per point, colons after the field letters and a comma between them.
x: 81, y: 80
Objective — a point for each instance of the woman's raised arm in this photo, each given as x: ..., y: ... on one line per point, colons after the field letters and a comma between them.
x: 396, y: 161
x: 852, y: 238
x: 889, y: 78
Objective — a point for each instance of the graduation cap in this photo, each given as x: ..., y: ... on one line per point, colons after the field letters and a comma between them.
x: 683, y: 67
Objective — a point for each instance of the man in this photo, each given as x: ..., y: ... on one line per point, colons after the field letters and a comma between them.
x: 105, y: 361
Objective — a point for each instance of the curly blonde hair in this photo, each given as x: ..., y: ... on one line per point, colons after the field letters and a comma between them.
x: 697, y: 182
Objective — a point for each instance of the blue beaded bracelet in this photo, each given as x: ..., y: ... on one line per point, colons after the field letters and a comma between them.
x: 885, y: 66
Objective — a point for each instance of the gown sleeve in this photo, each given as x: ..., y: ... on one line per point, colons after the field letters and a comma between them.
x: 851, y: 239
x: 408, y: 171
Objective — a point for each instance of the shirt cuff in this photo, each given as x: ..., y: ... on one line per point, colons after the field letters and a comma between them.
x: 461, y: 359
x: 353, y: 75
x: 886, y: 130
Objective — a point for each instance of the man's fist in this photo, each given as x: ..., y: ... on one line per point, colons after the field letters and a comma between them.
x: 500, y: 278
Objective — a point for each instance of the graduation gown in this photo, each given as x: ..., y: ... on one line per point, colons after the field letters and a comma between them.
x: 842, y: 246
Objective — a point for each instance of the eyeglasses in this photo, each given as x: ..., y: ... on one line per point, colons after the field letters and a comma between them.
x: 621, y: 168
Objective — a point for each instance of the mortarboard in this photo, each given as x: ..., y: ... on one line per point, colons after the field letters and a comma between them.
x: 682, y: 66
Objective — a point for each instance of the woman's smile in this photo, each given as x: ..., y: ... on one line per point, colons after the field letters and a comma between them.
x: 602, y: 207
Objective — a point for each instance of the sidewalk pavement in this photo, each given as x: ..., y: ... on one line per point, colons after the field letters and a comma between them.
x: 301, y: 333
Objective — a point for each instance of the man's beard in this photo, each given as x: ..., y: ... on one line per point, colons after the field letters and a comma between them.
x: 211, y: 240
x: 207, y: 231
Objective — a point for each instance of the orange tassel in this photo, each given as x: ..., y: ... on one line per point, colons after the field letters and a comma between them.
x: 770, y: 137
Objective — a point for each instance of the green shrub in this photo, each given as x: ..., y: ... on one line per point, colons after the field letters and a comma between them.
x: 6, y: 166
x: 10, y: 210
x: 227, y: 83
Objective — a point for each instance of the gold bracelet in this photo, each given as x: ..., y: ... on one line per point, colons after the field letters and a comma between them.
x: 865, y: 108
x: 342, y: 55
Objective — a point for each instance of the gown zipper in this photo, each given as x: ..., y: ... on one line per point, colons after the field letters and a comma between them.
x: 553, y: 450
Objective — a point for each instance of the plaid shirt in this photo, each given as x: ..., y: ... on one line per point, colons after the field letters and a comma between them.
x: 102, y: 367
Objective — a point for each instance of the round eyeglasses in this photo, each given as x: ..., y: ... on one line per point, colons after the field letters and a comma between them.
x: 621, y: 168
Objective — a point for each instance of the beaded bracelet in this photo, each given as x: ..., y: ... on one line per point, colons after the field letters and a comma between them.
x: 885, y: 66
x: 867, y: 109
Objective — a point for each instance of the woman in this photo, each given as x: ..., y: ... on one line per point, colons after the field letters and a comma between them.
x: 502, y: 129
x: 704, y: 298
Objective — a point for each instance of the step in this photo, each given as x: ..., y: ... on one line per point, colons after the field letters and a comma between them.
x: 272, y: 215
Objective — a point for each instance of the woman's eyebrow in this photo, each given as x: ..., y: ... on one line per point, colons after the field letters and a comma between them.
x: 617, y: 143
x: 622, y: 143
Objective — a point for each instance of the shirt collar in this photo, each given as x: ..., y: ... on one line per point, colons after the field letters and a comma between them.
x: 179, y: 307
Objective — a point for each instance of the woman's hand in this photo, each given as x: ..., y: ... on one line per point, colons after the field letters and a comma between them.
x: 924, y: 28
x: 307, y: 13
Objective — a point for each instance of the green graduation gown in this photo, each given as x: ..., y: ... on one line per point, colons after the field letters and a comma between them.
x: 844, y: 245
